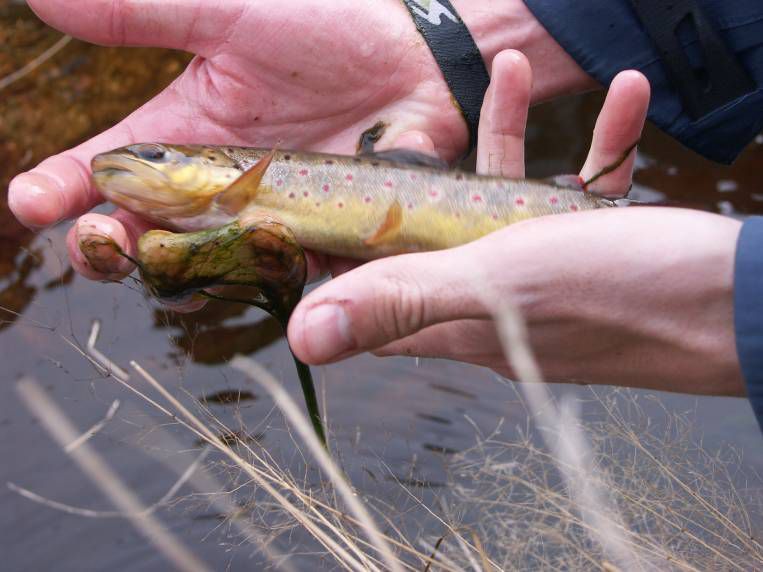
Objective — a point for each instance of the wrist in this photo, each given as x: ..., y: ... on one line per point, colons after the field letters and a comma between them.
x: 508, y: 24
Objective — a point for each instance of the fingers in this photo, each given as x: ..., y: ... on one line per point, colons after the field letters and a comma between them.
x: 191, y: 25
x: 415, y: 141
x: 60, y: 187
x: 383, y: 301
x: 501, y: 148
x: 618, y: 126
x: 105, y: 264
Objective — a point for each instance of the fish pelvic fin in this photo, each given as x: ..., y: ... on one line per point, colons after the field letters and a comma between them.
x: 390, y: 228
x: 241, y: 191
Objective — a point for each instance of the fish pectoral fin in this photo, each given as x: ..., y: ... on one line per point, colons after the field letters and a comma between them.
x: 241, y: 191
x: 390, y: 228
x: 409, y: 157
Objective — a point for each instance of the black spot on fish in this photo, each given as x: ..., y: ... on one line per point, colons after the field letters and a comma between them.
x: 287, y: 157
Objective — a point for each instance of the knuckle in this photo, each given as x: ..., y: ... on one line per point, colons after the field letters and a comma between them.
x: 404, y: 308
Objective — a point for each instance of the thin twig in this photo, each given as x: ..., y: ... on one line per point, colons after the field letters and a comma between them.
x: 63, y: 431
x: 105, y: 362
x: 259, y: 374
x: 35, y: 63
x: 89, y: 513
x: 90, y: 433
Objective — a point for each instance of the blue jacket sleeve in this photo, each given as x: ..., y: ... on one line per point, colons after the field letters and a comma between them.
x: 606, y: 37
x: 748, y: 309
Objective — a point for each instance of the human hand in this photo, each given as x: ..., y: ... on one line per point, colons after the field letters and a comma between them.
x: 639, y: 297
x: 303, y: 74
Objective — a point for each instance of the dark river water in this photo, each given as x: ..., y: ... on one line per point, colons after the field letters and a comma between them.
x: 400, y: 426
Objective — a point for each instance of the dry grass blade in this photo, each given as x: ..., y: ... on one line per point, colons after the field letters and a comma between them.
x: 62, y: 430
x: 89, y: 513
x: 259, y: 374
x: 35, y: 63
x: 105, y: 362
x: 342, y: 555
x: 90, y: 433
x: 570, y: 447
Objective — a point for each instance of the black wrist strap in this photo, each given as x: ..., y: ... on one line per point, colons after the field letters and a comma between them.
x: 720, y: 79
x: 457, y: 55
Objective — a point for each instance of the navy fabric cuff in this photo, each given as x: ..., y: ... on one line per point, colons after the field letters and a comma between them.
x: 606, y: 37
x: 748, y: 309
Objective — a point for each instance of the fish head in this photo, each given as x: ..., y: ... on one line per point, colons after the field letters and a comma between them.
x: 164, y: 183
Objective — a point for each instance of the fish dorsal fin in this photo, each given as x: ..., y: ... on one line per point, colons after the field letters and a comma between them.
x: 391, y: 226
x: 573, y: 182
x: 241, y: 191
x: 408, y: 157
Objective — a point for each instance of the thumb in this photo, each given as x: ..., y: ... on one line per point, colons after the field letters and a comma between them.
x: 192, y: 25
x: 384, y: 301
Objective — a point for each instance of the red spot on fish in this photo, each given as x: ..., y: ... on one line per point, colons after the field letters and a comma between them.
x: 349, y: 177
x: 279, y: 182
x: 574, y: 208
x: 433, y: 194
x: 304, y: 172
x: 388, y: 184
x: 291, y: 195
x: 326, y: 188
x: 477, y: 198
x: 410, y: 206
x: 495, y: 217
x: 305, y: 194
x: 367, y: 199
x: 340, y: 205
x: 519, y: 201
x: 413, y: 176
x: 459, y: 177
x: 554, y: 200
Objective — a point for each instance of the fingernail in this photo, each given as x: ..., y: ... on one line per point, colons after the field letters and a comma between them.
x: 327, y: 332
x: 36, y: 200
x: 103, y: 255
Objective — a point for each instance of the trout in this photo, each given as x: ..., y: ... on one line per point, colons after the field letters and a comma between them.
x: 364, y: 207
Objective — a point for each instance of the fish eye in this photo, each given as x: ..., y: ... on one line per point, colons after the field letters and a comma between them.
x: 149, y: 151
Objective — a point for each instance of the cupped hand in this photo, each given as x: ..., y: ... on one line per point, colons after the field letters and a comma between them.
x: 301, y: 74
x: 304, y: 74
x: 635, y: 296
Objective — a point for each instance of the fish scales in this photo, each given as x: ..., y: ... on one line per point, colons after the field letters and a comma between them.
x: 335, y: 204
x: 360, y: 207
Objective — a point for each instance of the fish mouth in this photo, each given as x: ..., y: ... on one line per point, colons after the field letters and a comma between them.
x: 118, y: 163
x: 119, y: 174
